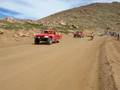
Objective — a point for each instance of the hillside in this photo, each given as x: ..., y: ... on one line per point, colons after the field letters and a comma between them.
x: 97, y: 16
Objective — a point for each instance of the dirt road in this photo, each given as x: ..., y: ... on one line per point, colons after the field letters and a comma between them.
x: 72, y: 64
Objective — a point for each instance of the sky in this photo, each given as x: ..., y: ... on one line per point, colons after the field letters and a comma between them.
x: 36, y: 9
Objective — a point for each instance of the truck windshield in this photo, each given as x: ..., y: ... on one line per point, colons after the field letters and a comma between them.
x: 46, y: 32
x: 49, y: 32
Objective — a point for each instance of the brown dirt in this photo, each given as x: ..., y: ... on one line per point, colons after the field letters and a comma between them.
x: 73, y: 64
x: 113, y: 55
x: 106, y: 79
x: 12, y: 38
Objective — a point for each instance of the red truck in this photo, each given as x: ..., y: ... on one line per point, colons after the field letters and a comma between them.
x: 47, y: 36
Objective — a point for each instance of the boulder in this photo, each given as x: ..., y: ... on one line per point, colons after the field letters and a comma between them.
x: 1, y: 32
x: 62, y: 22
x: 16, y: 36
x: 21, y: 34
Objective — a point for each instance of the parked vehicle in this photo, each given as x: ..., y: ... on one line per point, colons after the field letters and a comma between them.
x: 78, y: 34
x: 47, y: 36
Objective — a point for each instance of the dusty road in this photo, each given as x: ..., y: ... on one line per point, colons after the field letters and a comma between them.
x: 72, y: 64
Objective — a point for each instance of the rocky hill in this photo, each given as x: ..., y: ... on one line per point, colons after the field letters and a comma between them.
x: 97, y: 16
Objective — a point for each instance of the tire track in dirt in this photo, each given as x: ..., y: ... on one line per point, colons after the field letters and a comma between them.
x: 113, y: 53
x: 106, y: 79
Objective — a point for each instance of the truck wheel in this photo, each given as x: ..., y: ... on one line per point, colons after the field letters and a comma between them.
x: 50, y: 41
x: 74, y: 36
x: 36, y: 41
x: 57, y: 41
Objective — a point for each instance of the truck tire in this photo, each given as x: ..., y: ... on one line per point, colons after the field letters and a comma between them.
x: 50, y: 41
x: 74, y: 36
x: 36, y: 41
x: 57, y: 41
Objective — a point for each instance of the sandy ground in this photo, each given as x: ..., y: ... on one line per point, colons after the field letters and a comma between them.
x: 73, y: 64
x: 113, y: 55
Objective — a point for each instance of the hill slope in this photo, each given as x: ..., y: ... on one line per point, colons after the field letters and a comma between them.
x: 10, y: 23
x: 93, y: 16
